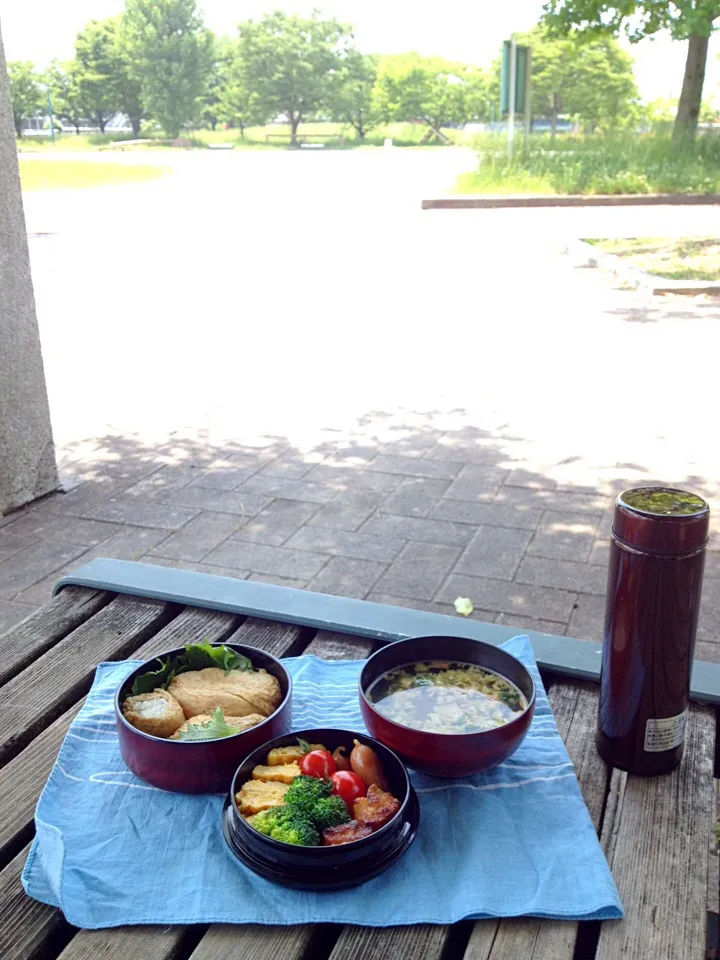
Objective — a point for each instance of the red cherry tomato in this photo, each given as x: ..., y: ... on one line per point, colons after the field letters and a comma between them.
x: 318, y: 763
x: 348, y: 786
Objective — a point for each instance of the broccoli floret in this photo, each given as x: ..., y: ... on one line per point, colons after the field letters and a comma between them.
x: 311, y: 797
x: 329, y: 812
x: 304, y: 793
x: 288, y: 825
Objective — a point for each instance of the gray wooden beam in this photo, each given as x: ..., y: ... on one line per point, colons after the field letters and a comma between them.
x: 561, y: 655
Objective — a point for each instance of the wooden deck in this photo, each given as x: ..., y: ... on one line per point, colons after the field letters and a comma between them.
x: 658, y: 834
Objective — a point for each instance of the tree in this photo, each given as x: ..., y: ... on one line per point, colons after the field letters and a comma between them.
x: 63, y: 80
x: 170, y: 50
x: 237, y: 105
x: 430, y: 89
x: 211, y: 102
x: 352, y: 94
x: 96, y: 53
x: 588, y: 78
x: 691, y: 20
x: 25, y: 92
x: 127, y: 84
x: 288, y: 63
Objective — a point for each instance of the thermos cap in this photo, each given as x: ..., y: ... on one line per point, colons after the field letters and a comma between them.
x: 661, y: 520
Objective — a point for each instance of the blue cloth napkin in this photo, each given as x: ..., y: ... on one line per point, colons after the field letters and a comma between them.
x: 112, y: 850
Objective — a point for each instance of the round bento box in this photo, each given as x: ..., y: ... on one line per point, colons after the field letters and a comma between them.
x: 323, y: 867
x: 205, y: 766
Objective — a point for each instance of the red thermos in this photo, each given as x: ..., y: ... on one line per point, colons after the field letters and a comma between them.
x: 655, y: 576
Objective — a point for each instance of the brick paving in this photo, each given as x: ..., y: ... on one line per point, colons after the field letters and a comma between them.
x: 447, y: 514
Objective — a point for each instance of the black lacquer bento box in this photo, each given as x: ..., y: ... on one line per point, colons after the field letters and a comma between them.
x: 323, y: 867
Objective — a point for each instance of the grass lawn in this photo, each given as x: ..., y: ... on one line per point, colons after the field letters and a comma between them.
x: 594, y: 164
x: 38, y: 174
x: 686, y: 258
x: 402, y: 134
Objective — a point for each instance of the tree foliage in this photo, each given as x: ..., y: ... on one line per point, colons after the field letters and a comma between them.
x: 691, y: 20
x: 590, y: 79
x: 430, y: 89
x: 170, y: 51
x: 64, y: 83
x: 98, y: 61
x: 25, y: 92
x: 352, y: 99
x: 287, y: 62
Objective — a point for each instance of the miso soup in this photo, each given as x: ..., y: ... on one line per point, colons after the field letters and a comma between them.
x: 439, y: 696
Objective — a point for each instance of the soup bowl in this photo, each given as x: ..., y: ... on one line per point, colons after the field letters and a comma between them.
x: 332, y: 867
x: 447, y: 754
x: 204, y: 766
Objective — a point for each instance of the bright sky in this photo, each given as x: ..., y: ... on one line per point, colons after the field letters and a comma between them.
x: 466, y: 30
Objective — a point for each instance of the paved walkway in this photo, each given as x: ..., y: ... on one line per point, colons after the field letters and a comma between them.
x: 336, y: 392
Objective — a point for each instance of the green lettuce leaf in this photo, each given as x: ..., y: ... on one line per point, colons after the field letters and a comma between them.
x: 147, y: 682
x: 213, y: 730
x: 197, y: 656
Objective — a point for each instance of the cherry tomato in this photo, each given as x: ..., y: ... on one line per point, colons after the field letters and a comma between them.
x: 317, y: 763
x: 348, y: 786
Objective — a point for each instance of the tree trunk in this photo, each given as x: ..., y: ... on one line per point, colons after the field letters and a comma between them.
x: 294, y: 123
x: 553, y: 118
x: 242, y: 131
x: 688, y: 110
x: 135, y: 124
x: 77, y: 129
x: 101, y: 123
x: 18, y: 126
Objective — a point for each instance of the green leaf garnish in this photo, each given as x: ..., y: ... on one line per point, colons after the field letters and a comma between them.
x: 196, y: 656
x: 304, y: 745
x: 214, y: 729
x: 147, y: 682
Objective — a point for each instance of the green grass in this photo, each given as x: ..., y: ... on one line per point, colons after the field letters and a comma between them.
x: 40, y: 174
x: 686, y: 258
x: 595, y: 165
x: 402, y: 134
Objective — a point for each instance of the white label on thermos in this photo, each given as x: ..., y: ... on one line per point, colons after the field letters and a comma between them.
x: 665, y: 734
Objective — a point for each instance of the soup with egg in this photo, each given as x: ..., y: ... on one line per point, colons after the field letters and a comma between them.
x: 438, y: 696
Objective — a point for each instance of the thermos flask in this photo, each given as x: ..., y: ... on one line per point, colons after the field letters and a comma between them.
x: 655, y: 577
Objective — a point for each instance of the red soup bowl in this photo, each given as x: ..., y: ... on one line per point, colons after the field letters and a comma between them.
x: 447, y: 754
x: 206, y: 766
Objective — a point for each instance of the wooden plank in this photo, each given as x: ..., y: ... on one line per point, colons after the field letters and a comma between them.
x: 279, y: 639
x: 35, y: 697
x: 377, y: 943
x: 163, y: 943
x: 339, y: 646
x: 22, y: 779
x: 575, y: 709
x: 192, y: 625
x: 27, y: 925
x: 656, y: 837
x: 30, y: 638
x: 128, y: 943
x: 227, y: 942
x: 521, y: 939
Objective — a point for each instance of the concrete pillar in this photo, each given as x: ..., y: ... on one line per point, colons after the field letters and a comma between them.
x: 27, y: 453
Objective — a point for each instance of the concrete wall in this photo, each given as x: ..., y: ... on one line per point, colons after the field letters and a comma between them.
x: 27, y: 453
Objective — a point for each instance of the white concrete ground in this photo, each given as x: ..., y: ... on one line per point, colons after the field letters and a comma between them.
x: 283, y: 292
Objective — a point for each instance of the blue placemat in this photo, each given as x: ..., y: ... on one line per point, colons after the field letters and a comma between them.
x: 111, y: 850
